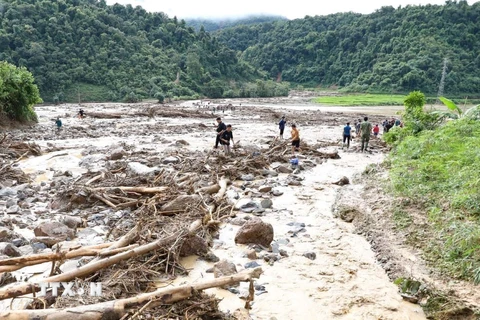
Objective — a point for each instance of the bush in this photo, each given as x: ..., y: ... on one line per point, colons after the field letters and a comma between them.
x: 18, y: 93
x: 131, y: 98
x: 160, y: 97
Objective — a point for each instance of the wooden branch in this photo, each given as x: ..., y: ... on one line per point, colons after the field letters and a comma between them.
x: 223, y: 188
x: 96, y: 196
x: 115, y: 309
x: 100, y: 176
x: 132, y: 189
x: 90, y: 268
x: 210, y: 189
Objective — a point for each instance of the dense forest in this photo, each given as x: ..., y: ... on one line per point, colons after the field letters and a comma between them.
x: 88, y: 49
x: 391, y: 50
x: 217, y: 24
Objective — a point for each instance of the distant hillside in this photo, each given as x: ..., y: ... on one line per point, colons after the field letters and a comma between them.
x: 391, y: 50
x: 210, y: 25
x: 88, y: 49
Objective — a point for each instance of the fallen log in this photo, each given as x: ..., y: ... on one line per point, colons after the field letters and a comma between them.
x: 101, y: 115
x: 115, y: 309
x: 132, y: 189
x: 90, y: 268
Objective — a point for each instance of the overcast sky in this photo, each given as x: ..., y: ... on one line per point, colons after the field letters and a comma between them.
x: 291, y: 9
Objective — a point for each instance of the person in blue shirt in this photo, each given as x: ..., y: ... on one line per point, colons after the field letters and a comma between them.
x: 347, y: 135
x: 58, y: 122
x: 281, y: 125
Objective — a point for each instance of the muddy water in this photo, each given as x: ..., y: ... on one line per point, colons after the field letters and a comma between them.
x: 343, y: 282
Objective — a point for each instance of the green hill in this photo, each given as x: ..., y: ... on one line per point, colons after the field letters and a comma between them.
x: 391, y: 50
x: 89, y: 49
x: 217, y: 24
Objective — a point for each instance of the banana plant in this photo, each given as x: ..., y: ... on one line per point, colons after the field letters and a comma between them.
x: 455, y: 112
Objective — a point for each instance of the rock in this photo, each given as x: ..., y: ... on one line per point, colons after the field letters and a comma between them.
x: 251, y: 265
x: 238, y: 221
x: 265, y: 189
x: 13, y: 209
x: 10, y: 203
x: 266, y: 203
x: 343, y: 181
x: 348, y: 214
x: 48, y: 241
x: 193, y: 245
x: 224, y: 268
x: 310, y: 255
x: 182, y: 202
x: 283, y: 169
x: 140, y: 169
x: 294, y: 183
x: 182, y: 142
x: 210, y: 257
x: 240, y: 203
x: 255, y: 231
x: 296, y: 171
x: 247, y: 177
x: 269, y: 173
x: 68, y: 173
x: 5, y: 234
x: 38, y: 246
x: 18, y: 242
x: 233, y: 290
x: 252, y: 255
x: 258, y: 211
x: 7, y: 192
x: 275, y: 247
x: 168, y: 160
x: 117, y: 154
x: 277, y: 192
x: 249, y: 207
x: 72, y: 222
x: 9, y: 249
x: 296, y: 224
x: 53, y: 229
x: 283, y: 253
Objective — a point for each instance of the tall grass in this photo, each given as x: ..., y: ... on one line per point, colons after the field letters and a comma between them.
x: 440, y: 170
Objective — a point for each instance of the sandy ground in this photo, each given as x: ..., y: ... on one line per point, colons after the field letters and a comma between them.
x: 344, y: 281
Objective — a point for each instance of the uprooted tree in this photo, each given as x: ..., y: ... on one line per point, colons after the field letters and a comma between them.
x: 18, y: 93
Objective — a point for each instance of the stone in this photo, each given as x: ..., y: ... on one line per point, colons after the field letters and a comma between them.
x: 249, y: 207
x: 5, y: 234
x: 13, y: 209
x: 224, y: 268
x: 10, y: 203
x: 275, y: 247
x: 252, y: 255
x: 251, y: 265
x: 53, y: 229
x: 72, y: 222
x: 238, y: 221
x: 141, y: 169
x: 266, y: 203
x: 310, y: 255
x: 343, y: 181
x: 38, y: 246
x: 116, y: 154
x: 258, y: 212
x: 9, y: 249
x: 247, y: 177
x: 269, y: 173
x: 7, y: 192
x: 294, y: 183
x: 255, y: 231
x: 193, y: 245
x: 182, y: 142
x: 210, y: 257
x: 18, y: 242
x: 277, y: 192
x: 283, y: 253
x: 182, y: 202
x: 169, y: 160
x: 283, y: 169
x: 296, y: 224
x: 265, y: 189
x: 348, y: 214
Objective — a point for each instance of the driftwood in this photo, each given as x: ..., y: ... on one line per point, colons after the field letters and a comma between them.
x: 88, y: 269
x: 104, y: 115
x: 115, y: 309
x: 12, y: 264
x: 223, y: 188
x: 132, y: 189
x: 209, y: 190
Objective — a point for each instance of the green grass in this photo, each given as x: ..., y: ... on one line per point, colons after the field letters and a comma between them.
x: 440, y: 171
x: 362, y: 100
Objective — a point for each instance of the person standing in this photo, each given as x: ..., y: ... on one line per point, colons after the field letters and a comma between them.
x: 58, y: 122
x: 281, y: 126
x: 365, y: 131
x: 357, y: 127
x: 225, y: 138
x: 295, y: 139
x: 347, y: 135
x: 221, y: 127
x: 376, y: 130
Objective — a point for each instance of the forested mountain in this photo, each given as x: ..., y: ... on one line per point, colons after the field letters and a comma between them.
x: 390, y: 50
x: 217, y: 24
x: 109, y: 52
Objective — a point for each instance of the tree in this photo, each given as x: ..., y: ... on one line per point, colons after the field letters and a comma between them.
x: 18, y: 93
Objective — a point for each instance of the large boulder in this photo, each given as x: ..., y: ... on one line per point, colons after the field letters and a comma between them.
x: 255, y: 231
x: 194, y: 245
x: 182, y: 202
x: 53, y: 229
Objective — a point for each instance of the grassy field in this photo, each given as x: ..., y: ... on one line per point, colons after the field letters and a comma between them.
x: 439, y: 172
x: 362, y: 100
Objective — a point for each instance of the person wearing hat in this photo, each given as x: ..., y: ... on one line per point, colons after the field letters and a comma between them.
x: 295, y: 139
x: 281, y: 125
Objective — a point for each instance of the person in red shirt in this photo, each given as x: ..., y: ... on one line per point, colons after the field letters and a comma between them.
x: 376, y: 130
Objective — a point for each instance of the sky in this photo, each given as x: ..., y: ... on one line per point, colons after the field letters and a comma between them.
x: 184, y: 9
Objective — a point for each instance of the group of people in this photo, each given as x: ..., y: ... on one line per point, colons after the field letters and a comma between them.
x: 58, y: 121
x: 224, y: 135
x: 389, y: 124
x: 363, y: 130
